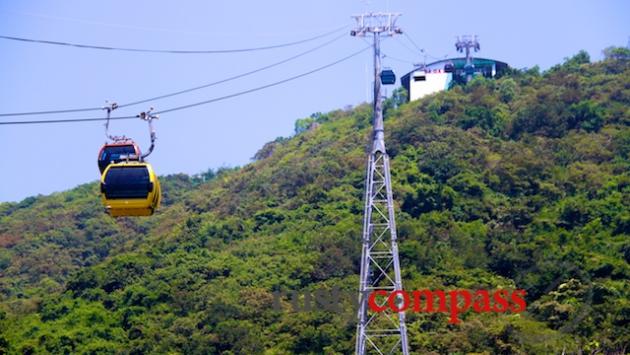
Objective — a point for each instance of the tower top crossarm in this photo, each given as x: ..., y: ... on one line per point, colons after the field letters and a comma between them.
x: 383, y: 23
x: 467, y: 42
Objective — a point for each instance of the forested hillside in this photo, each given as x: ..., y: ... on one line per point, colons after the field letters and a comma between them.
x: 521, y: 183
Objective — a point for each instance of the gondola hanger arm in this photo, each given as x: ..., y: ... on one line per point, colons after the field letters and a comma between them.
x: 109, y: 107
x: 149, y: 116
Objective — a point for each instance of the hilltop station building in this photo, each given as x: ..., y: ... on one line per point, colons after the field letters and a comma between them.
x: 441, y: 75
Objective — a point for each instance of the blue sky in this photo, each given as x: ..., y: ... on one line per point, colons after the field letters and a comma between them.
x: 41, y: 159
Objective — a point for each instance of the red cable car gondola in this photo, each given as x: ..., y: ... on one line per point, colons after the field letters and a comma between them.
x: 122, y: 149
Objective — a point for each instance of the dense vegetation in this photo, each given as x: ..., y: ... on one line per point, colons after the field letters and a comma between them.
x: 521, y: 182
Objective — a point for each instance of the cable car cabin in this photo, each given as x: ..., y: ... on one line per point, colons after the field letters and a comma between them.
x: 116, y: 152
x: 130, y: 189
x: 388, y: 77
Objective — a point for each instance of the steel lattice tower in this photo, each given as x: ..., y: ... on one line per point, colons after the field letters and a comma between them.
x: 379, y: 332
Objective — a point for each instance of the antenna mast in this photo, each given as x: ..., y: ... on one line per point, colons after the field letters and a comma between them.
x: 379, y: 332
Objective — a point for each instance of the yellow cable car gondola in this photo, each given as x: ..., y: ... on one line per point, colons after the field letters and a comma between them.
x: 130, y: 189
x: 129, y: 185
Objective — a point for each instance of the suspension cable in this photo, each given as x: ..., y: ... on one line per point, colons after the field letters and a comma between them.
x: 74, y: 110
x: 197, y: 103
x: 265, y: 86
x: 66, y: 120
x: 421, y: 50
x: 171, y: 51
x: 238, y: 76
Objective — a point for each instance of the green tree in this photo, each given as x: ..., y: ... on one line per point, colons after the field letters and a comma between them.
x: 617, y: 53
